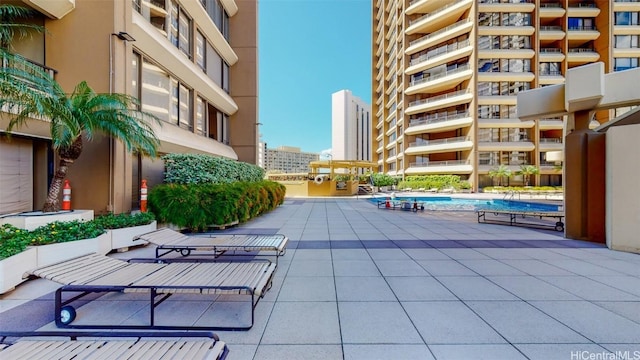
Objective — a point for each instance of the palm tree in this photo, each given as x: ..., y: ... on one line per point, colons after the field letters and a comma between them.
x: 11, y: 25
x: 500, y: 172
x: 526, y: 171
x: 27, y: 92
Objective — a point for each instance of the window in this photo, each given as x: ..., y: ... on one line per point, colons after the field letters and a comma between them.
x: 225, y: 76
x: 180, y: 105
x: 626, y: 18
x: 550, y: 68
x: 626, y: 41
x: 581, y: 24
x: 180, y: 29
x: 625, y: 63
x: 201, y: 51
x: 155, y: 90
x: 201, y: 115
x: 214, y: 65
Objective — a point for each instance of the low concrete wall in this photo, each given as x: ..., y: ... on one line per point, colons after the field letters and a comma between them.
x: 622, y: 189
x: 325, y: 188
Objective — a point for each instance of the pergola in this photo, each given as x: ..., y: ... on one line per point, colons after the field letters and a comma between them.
x: 351, y: 165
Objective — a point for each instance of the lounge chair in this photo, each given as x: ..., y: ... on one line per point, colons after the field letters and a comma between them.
x: 168, y: 241
x: 160, y: 279
x: 514, y: 215
x: 112, y: 345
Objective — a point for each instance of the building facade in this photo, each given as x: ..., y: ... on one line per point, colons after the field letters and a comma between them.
x: 193, y: 64
x: 350, y: 127
x: 289, y: 159
x: 446, y: 75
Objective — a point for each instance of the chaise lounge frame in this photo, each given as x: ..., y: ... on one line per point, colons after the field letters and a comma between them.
x: 515, y: 215
x: 168, y: 241
x: 112, y: 345
x: 160, y: 279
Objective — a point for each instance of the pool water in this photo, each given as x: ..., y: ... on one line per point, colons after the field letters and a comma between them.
x: 447, y: 203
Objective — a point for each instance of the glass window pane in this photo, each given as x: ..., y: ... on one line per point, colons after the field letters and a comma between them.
x: 175, y: 102
x: 155, y: 90
x: 185, y: 33
x: 214, y: 65
x: 200, y: 51
x: 185, y: 107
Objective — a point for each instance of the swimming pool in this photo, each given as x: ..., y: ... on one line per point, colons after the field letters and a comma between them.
x: 447, y: 203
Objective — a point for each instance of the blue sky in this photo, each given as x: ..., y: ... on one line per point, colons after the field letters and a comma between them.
x: 307, y: 50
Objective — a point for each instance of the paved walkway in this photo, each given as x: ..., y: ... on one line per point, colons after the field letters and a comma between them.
x: 362, y: 283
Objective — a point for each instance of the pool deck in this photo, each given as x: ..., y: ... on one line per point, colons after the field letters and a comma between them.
x: 362, y: 283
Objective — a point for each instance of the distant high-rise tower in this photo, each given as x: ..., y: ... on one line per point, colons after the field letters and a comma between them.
x: 350, y: 127
x: 446, y: 75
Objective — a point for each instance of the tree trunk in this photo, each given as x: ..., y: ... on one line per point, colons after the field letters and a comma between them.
x: 52, y: 204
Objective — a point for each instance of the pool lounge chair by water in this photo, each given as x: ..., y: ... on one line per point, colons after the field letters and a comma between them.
x: 517, y: 218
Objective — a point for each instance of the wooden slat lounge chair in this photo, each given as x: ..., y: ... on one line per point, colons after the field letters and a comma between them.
x: 112, y: 346
x: 168, y: 241
x: 514, y: 215
x: 159, y: 278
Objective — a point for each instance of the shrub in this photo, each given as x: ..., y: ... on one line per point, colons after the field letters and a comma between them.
x: 203, y: 169
x: 12, y: 240
x: 198, y: 206
x: 65, y: 231
x: 380, y: 179
x: 433, y: 182
x: 119, y: 221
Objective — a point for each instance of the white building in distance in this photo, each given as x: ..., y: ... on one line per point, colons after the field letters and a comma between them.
x: 289, y: 159
x: 350, y: 127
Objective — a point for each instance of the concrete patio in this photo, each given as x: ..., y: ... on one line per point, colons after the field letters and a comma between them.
x: 358, y: 282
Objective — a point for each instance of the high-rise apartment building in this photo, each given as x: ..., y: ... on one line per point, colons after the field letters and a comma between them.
x: 350, y: 127
x: 191, y: 63
x: 446, y: 75
x: 289, y: 159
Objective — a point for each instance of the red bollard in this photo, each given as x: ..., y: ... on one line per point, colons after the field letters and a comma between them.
x: 66, y: 196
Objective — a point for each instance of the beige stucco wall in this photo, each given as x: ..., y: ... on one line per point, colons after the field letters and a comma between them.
x: 623, y: 196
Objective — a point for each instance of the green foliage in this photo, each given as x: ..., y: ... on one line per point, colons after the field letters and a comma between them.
x: 343, y: 177
x: 500, y: 172
x: 12, y: 240
x: 202, y: 169
x: 13, y: 24
x: 526, y: 171
x: 198, y: 206
x: 119, y: 221
x: 434, y: 182
x: 381, y: 179
x: 528, y: 189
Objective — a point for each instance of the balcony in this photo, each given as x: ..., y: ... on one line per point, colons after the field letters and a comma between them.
x: 489, y: 123
x: 524, y: 30
x: 551, y: 10
x: 551, y: 55
x: 506, y: 76
x: 582, y: 56
x: 505, y: 53
x: 583, y: 10
x: 506, y: 146
x: 583, y: 33
x: 460, y: 143
x: 551, y: 33
x: 459, y: 28
x: 440, y: 101
x: 423, y: 6
x: 497, y: 100
x: 550, y: 124
x: 440, y: 18
x: 440, y: 167
x: 441, y: 81
x: 522, y: 6
x: 439, y: 56
x: 439, y: 122
x: 550, y: 77
x: 550, y: 144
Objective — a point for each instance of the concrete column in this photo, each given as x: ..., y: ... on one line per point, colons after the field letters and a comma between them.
x: 585, y: 181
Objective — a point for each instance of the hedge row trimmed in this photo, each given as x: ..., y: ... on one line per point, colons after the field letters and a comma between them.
x: 203, y: 169
x: 199, y: 206
x: 434, y: 182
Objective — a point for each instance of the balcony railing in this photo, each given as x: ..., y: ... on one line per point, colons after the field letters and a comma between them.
x: 439, y: 97
x: 435, y: 13
x: 551, y: 140
x: 439, y: 163
x: 452, y: 140
x: 439, y: 32
x: 439, y: 117
x: 582, y: 28
x: 551, y: 5
x: 550, y: 50
x: 439, y: 51
x: 506, y: 1
x: 24, y: 64
x: 439, y: 75
x: 551, y: 73
x: 583, y: 5
x: 551, y: 28
x: 581, y: 50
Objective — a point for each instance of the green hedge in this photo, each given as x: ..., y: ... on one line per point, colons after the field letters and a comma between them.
x: 434, y: 182
x: 503, y: 189
x: 14, y: 240
x: 198, y: 206
x: 203, y: 169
